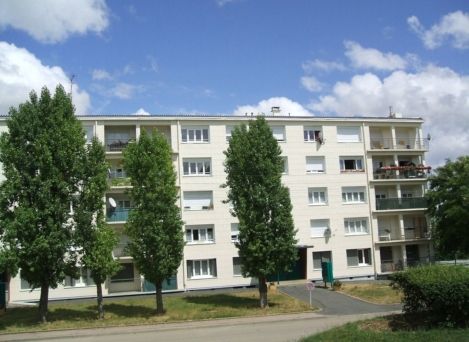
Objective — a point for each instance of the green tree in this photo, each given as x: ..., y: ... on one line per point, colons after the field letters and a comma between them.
x: 154, y: 225
x: 93, y: 236
x: 260, y: 202
x: 448, y: 206
x: 41, y: 155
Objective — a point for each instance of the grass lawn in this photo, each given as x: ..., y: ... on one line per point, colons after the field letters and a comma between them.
x: 376, y: 292
x: 389, y: 328
x: 140, y: 310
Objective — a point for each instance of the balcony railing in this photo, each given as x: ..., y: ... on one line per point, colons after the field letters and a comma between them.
x: 391, y: 266
x: 410, y: 233
x: 400, y: 203
x: 118, y: 178
x: 120, y: 250
x: 402, y: 172
x: 116, y: 145
x: 399, y: 144
x: 117, y: 214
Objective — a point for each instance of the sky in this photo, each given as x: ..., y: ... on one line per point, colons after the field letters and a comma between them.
x: 311, y: 58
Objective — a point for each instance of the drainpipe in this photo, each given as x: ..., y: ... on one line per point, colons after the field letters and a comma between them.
x: 373, y: 259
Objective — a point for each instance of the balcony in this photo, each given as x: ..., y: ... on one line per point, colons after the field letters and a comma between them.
x: 402, y: 172
x: 117, y: 214
x: 116, y: 145
x: 410, y: 233
x: 120, y: 251
x: 391, y: 266
x: 401, y: 203
x: 118, y: 178
x: 400, y: 144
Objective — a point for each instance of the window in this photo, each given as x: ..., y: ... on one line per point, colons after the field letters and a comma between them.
x: 237, y: 266
x: 84, y: 279
x: 195, y: 134
x: 228, y: 132
x: 359, y: 257
x: 319, y: 257
x: 199, y: 234
x: 317, y: 196
x: 88, y: 133
x: 285, y: 165
x: 197, y: 269
x: 278, y: 132
x: 197, y: 167
x: 357, y: 226
x: 312, y: 134
x: 234, y: 232
x: 125, y: 274
x: 348, y: 164
x: 348, y: 134
x: 123, y: 204
x: 315, y: 165
x: 319, y: 228
x: 198, y: 200
x: 25, y: 285
x: 353, y: 195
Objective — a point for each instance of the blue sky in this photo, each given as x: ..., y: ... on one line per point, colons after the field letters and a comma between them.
x: 220, y: 56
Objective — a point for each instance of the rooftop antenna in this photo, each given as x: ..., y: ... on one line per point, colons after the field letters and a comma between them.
x: 71, y: 78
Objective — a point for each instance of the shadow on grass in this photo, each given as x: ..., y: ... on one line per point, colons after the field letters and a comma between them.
x: 224, y: 300
x: 126, y: 310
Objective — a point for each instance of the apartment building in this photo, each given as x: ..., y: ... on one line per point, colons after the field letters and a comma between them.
x: 356, y: 185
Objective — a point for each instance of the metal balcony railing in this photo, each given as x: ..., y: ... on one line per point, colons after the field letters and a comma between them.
x: 410, y: 233
x: 120, y: 250
x: 402, y: 172
x: 400, y: 203
x: 118, y: 178
x: 116, y: 145
x: 117, y: 214
x: 399, y: 144
x: 391, y: 266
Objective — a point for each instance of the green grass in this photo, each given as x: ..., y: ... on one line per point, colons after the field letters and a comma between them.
x: 378, y: 293
x: 393, y: 328
x: 141, y: 310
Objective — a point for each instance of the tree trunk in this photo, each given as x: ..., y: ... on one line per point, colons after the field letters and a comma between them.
x: 43, y: 302
x: 159, y: 298
x: 263, y: 292
x: 99, y: 290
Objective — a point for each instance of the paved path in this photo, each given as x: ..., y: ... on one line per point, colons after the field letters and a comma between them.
x: 335, y: 303
x: 279, y: 328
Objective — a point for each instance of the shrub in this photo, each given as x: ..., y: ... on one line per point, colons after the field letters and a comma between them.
x: 336, y: 285
x: 438, y: 291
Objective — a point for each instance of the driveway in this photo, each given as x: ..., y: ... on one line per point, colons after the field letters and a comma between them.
x: 335, y: 303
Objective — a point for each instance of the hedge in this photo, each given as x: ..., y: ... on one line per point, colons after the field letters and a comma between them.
x: 440, y: 292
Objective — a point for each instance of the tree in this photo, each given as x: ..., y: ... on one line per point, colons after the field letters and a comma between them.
x: 41, y: 155
x: 154, y: 225
x: 448, y: 206
x: 93, y: 236
x: 260, y: 202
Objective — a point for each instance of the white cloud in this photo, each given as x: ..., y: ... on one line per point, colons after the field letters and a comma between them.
x: 100, y: 75
x: 222, y: 3
x: 141, y: 111
x: 52, y: 21
x: 287, y: 107
x: 21, y: 72
x: 368, y: 58
x: 153, y: 63
x: 453, y: 26
x: 311, y: 83
x: 439, y: 95
x: 317, y: 64
x: 123, y: 90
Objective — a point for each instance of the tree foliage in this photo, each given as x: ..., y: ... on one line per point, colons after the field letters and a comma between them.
x: 95, y: 239
x: 154, y: 225
x: 448, y: 206
x: 41, y: 155
x: 260, y: 202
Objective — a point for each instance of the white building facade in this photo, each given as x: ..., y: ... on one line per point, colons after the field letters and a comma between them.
x: 356, y: 186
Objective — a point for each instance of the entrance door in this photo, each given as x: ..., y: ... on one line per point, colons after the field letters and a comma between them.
x: 298, y: 270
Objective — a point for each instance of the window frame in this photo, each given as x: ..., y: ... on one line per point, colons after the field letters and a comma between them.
x: 195, y: 134
x: 340, y: 135
x: 195, y: 162
x: 237, y: 266
x: 361, y: 229
x: 207, y: 231
x: 356, y: 160
x: 310, y: 161
x: 321, y: 258
x: 360, y: 191
x: 210, y: 266
x: 234, y: 232
x: 201, y: 198
x: 319, y: 191
x: 360, y: 253
x: 275, y: 133
x: 325, y: 227
x: 315, y: 136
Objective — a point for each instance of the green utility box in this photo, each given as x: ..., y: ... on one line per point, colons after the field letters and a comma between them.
x: 2, y: 296
x: 327, y: 274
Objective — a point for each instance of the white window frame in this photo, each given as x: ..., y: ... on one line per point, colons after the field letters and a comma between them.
x: 237, y: 267
x: 200, y: 234
x: 285, y: 165
x: 84, y: 279
x: 358, y: 165
x: 353, y: 195
x: 312, y: 134
x: 319, y: 227
x: 320, y: 253
x: 197, y: 167
x: 313, y: 162
x: 202, y: 202
x: 356, y: 226
x: 317, y: 196
x: 349, y: 134
x: 234, y: 232
x: 195, y: 134
x: 201, y: 268
x: 279, y: 133
x: 228, y: 132
x: 361, y: 255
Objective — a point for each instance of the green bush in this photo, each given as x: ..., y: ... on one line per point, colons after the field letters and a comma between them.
x: 439, y: 292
